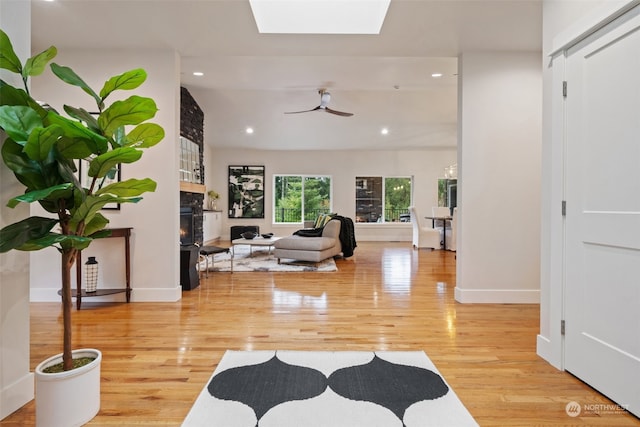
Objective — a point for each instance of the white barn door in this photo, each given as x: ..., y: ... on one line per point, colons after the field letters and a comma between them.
x: 602, y: 288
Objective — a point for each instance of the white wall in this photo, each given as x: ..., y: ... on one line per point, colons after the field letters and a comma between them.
x: 16, y: 382
x: 426, y: 166
x: 499, y: 177
x: 155, y: 241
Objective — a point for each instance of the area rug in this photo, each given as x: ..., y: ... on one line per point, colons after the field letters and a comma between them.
x: 261, y: 259
x: 328, y: 389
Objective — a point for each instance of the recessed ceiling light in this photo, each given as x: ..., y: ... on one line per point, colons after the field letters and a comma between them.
x: 198, y: 73
x: 249, y: 130
x: 319, y: 16
x: 384, y: 131
x: 436, y: 75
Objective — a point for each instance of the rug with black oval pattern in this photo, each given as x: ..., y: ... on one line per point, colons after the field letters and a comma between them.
x: 328, y: 389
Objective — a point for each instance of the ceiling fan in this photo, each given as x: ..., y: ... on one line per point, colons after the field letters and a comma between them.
x: 325, y: 97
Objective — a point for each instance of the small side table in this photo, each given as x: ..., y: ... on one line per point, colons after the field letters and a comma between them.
x: 79, y: 293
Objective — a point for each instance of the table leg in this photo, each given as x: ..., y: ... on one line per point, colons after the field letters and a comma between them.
x: 127, y: 264
x: 78, y: 280
x: 444, y: 235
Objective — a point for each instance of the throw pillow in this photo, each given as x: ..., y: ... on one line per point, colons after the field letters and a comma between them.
x: 319, y: 223
x: 322, y: 220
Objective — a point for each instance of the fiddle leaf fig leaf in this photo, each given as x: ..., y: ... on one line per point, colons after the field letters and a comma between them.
x: 131, y: 111
x: 145, y: 135
x: 84, y: 116
x: 41, y: 141
x: 10, y: 95
x: 17, y: 234
x: 102, y: 164
x: 119, y: 138
x: 98, y: 223
x: 8, y: 58
x: 36, y: 64
x: 129, y: 188
x: 58, y: 191
x: 77, y: 138
x: 51, y: 239
x: 18, y: 121
x: 67, y: 75
x: 125, y: 81
x: 91, y: 206
x: 28, y: 172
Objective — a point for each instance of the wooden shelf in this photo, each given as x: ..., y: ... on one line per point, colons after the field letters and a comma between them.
x: 97, y: 293
x: 191, y: 187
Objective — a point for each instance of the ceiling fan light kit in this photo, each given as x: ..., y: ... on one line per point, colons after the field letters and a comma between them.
x: 325, y: 98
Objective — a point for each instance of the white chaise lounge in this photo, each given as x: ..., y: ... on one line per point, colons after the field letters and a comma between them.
x: 314, y: 249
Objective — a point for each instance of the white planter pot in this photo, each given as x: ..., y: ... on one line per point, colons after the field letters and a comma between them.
x: 70, y: 398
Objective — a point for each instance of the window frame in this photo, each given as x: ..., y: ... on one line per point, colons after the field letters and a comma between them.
x: 302, y: 211
x: 384, y: 179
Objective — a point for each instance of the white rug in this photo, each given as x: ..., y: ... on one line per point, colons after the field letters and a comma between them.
x: 327, y: 389
x: 260, y: 259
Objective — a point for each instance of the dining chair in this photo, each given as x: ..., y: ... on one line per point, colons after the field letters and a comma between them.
x: 423, y: 236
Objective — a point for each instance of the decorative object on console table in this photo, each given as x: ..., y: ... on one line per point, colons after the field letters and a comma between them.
x: 246, y: 192
x: 213, y: 199
x: 91, y: 274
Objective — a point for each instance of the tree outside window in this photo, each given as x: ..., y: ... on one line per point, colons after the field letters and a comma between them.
x: 300, y: 198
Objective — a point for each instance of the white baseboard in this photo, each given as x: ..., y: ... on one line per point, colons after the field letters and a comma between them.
x: 16, y: 395
x: 137, y: 295
x: 544, y: 349
x: 497, y: 296
x: 157, y: 294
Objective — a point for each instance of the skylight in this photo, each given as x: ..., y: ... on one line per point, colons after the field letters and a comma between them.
x: 319, y: 16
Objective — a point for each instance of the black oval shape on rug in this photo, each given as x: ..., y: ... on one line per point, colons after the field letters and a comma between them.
x: 267, y: 384
x: 396, y: 387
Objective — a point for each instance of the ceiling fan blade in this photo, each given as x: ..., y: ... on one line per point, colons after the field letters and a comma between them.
x: 338, y: 113
x: 304, y: 111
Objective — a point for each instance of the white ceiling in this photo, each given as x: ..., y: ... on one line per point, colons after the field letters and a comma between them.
x: 251, y: 79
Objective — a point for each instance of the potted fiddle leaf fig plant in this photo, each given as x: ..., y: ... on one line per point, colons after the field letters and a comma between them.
x: 42, y: 148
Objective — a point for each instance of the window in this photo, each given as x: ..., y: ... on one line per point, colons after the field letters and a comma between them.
x: 189, y: 161
x: 383, y: 199
x: 299, y: 198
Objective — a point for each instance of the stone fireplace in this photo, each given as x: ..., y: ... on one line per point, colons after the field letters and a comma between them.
x: 191, y: 202
x: 192, y: 128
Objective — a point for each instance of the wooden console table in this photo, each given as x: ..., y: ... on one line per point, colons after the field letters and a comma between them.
x: 79, y: 293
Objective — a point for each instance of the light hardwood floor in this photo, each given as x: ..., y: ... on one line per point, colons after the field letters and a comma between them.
x: 158, y: 356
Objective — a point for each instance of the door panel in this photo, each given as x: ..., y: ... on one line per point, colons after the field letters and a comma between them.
x: 602, y: 288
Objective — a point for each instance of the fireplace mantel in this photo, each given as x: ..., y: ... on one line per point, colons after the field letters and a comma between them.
x: 190, y: 187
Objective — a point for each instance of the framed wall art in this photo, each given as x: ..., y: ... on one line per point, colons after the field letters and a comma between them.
x: 114, y: 175
x: 246, y: 192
